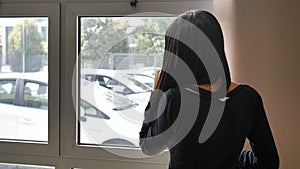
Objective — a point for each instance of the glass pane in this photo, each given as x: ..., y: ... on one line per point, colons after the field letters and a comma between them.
x: 118, y: 57
x: 36, y: 95
x: 17, y: 166
x: 7, y: 91
x: 24, y: 79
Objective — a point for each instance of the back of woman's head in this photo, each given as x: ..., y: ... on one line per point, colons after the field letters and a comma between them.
x: 196, y: 39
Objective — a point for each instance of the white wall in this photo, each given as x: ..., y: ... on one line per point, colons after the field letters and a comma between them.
x: 262, y: 43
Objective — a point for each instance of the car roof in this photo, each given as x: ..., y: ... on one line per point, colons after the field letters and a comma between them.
x: 147, y: 71
x: 120, y: 75
x: 34, y: 76
x: 107, y: 72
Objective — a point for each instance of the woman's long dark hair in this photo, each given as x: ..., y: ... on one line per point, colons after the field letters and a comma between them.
x: 176, y: 49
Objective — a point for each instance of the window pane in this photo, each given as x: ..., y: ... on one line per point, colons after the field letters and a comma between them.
x: 17, y: 166
x: 35, y: 95
x: 7, y: 91
x: 24, y: 79
x: 118, y: 58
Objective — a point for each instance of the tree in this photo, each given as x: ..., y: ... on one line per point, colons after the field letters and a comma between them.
x: 100, y: 36
x: 150, y: 37
x: 32, y: 47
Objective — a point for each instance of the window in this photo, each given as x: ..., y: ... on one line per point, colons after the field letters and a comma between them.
x: 112, y: 46
x: 7, y: 91
x: 29, y: 102
x: 27, y: 51
x: 36, y: 95
x: 112, y: 51
x: 79, y: 100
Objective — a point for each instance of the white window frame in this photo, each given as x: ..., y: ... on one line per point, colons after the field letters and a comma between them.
x: 51, y: 11
x: 71, y: 14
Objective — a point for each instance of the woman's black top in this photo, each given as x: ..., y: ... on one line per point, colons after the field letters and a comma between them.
x: 243, y: 117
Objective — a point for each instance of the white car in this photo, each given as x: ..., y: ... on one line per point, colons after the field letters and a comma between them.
x: 146, y: 79
x: 144, y: 75
x: 23, y: 106
x: 120, y: 82
x: 106, y: 118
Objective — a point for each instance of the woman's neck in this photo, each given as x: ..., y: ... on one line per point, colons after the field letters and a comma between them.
x: 216, y: 86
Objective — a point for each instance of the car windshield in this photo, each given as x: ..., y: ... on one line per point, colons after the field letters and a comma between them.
x: 104, y: 99
x: 136, y: 86
x: 148, y: 80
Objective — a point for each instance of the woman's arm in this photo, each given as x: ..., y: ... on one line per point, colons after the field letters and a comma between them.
x: 264, y: 152
x: 156, y: 121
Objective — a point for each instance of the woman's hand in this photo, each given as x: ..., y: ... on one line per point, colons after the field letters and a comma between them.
x: 156, y: 77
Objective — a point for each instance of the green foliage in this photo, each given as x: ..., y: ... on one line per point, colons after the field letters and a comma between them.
x: 150, y: 35
x: 33, y: 47
x: 100, y: 36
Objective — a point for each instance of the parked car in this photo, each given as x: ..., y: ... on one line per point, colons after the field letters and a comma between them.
x: 144, y: 75
x: 105, y: 121
x: 106, y: 117
x: 23, y: 106
x: 119, y: 82
x: 146, y: 79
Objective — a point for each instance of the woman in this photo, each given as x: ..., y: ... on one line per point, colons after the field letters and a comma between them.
x: 195, y: 77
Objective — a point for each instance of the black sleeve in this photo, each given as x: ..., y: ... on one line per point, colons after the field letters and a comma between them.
x: 156, y: 122
x: 264, y: 153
